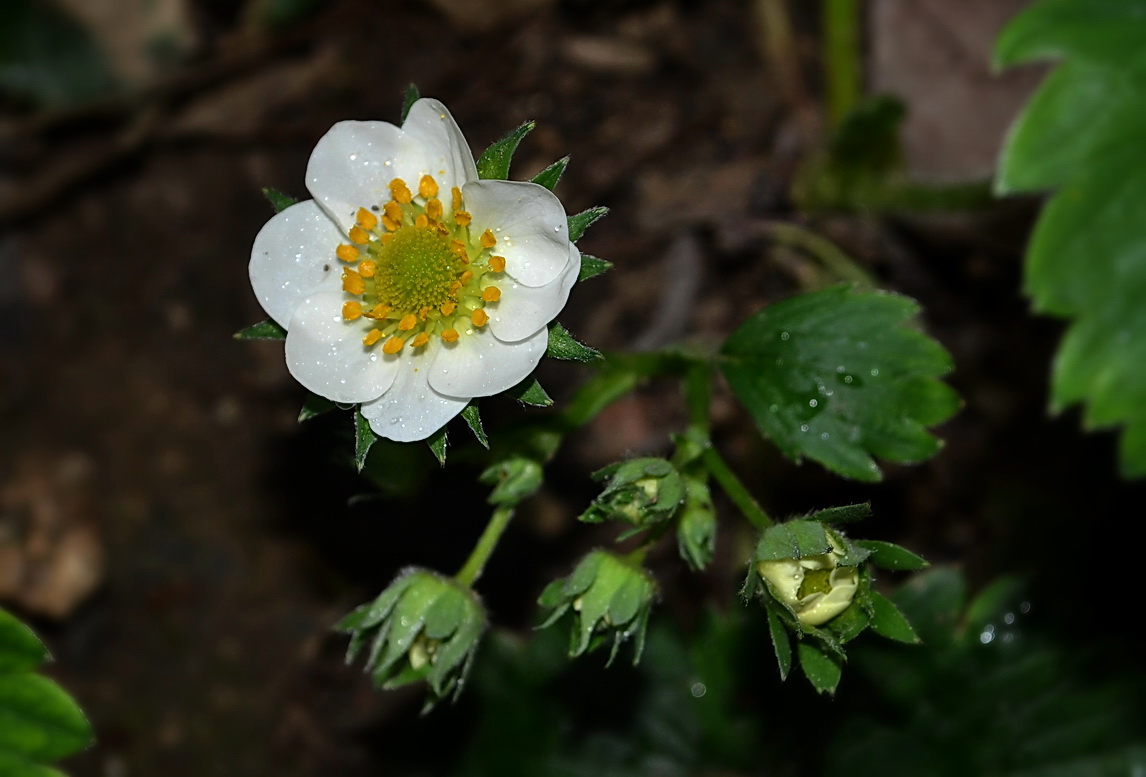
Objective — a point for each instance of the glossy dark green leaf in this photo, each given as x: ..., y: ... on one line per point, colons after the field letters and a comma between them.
x: 844, y: 513
x: 411, y: 96
x: 889, y: 556
x: 472, y: 417
x: 591, y: 267
x: 563, y: 346
x: 552, y: 174
x: 495, y: 161
x: 888, y: 621
x: 364, y: 438
x: 264, y: 330
x: 1092, y: 30
x: 838, y: 376
x: 583, y: 220
x: 822, y: 669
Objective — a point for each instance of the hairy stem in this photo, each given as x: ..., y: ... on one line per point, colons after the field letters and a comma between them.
x: 735, y: 489
x: 472, y: 569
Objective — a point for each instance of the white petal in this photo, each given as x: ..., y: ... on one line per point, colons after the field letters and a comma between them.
x: 522, y: 310
x: 325, y: 353
x: 479, y: 364
x: 448, y: 158
x: 293, y: 257
x: 352, y: 165
x: 529, y: 223
x: 411, y: 410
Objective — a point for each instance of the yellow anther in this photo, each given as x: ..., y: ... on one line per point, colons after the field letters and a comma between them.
x: 463, y: 218
x: 346, y: 253
x: 491, y: 294
x: 448, y: 308
x: 479, y: 317
x: 351, y: 310
x: 352, y: 282
x: 457, y: 199
x: 443, y: 230
x: 392, y: 210
x: 458, y: 247
x: 359, y: 235
x: 367, y: 269
x: 424, y: 312
x: 408, y: 322
x: 393, y: 345
x: 455, y: 286
x: 366, y: 219
x: 422, y: 221
x: 497, y: 263
x: 400, y: 191
x: 373, y: 336
x: 466, y: 277
x: 450, y: 335
x: 428, y: 187
x: 488, y: 240
x: 392, y: 225
x: 379, y: 311
x: 387, y: 237
x: 420, y: 340
x: 434, y: 208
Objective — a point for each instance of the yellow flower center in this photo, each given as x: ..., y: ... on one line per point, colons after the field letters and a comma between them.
x: 415, y: 272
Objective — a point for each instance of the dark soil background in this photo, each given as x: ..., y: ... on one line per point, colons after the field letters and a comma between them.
x: 184, y: 546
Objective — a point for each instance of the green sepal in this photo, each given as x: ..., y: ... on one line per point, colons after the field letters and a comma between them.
x: 563, y: 346
x: 438, y: 445
x: 530, y: 392
x: 472, y: 417
x: 552, y: 174
x: 583, y: 220
x: 314, y: 406
x: 850, y: 623
x: 781, y: 640
x: 591, y: 267
x: 494, y: 162
x: 889, y: 556
x: 793, y: 539
x: 264, y: 330
x: 888, y: 621
x: 514, y: 480
x: 843, y: 514
x: 696, y: 528
x: 822, y: 670
x: 411, y: 96
x: 364, y: 438
x: 280, y: 201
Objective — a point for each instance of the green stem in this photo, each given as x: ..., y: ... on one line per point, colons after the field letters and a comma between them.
x: 841, y: 57
x: 472, y: 569
x: 735, y: 489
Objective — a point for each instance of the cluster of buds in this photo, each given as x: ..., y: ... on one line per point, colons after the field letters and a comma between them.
x: 423, y: 627
x: 609, y: 597
x: 643, y: 492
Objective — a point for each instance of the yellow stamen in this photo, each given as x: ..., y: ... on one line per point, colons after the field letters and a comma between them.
x: 488, y: 240
x: 367, y: 269
x: 450, y: 335
x: 443, y: 230
x: 497, y: 263
x: 422, y: 221
x: 400, y: 191
x: 424, y: 312
x: 455, y: 286
x: 359, y: 235
x: 428, y: 187
x: 466, y: 277
x: 491, y: 294
x: 457, y: 199
x: 387, y: 237
x: 372, y: 337
x: 366, y: 219
x: 393, y: 210
x: 448, y: 308
x: 352, y: 282
x: 463, y: 218
x: 380, y: 311
x: 434, y: 208
x: 351, y: 310
x: 346, y: 253
x: 408, y: 322
x: 393, y: 345
x: 479, y: 317
x: 392, y: 225
x: 420, y: 340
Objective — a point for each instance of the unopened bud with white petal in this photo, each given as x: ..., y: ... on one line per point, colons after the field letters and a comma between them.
x: 815, y: 581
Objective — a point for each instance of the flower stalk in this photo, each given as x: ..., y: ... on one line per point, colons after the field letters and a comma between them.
x: 475, y: 564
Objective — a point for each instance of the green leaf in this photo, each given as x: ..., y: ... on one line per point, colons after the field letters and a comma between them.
x: 314, y: 407
x: 364, y: 438
x: 552, y: 174
x: 889, y: 556
x: 264, y: 330
x: 583, y: 220
x: 438, y: 445
x: 844, y: 513
x: 530, y: 392
x: 278, y: 200
x: 591, y: 267
x: 411, y: 96
x: 822, y: 670
x: 836, y: 375
x: 495, y: 160
x: 781, y: 640
x: 39, y: 722
x: 888, y: 621
x: 1086, y: 260
x: 473, y: 419
x: 563, y: 346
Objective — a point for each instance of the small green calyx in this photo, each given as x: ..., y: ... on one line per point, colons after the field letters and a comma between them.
x: 415, y: 269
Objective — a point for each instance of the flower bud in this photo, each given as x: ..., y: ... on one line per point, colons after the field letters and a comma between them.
x: 816, y: 587
x: 640, y: 491
x: 422, y: 627
x: 696, y: 532
x: 609, y: 598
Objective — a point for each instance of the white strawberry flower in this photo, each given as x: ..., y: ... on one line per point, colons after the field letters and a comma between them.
x: 407, y: 284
